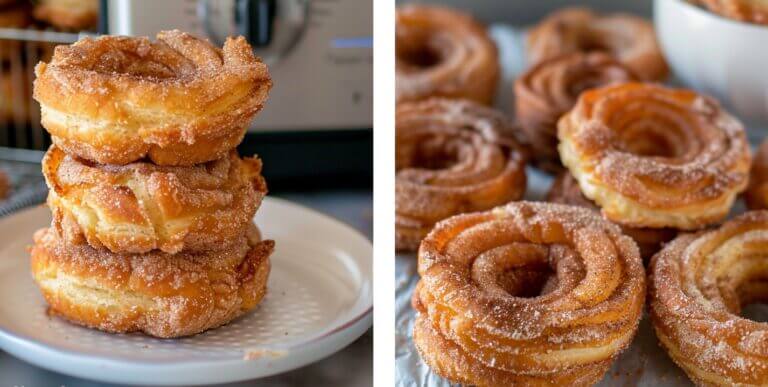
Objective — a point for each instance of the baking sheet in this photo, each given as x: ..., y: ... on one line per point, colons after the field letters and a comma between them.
x: 644, y: 363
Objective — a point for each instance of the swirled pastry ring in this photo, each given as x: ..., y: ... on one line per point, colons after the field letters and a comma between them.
x: 549, y: 89
x: 628, y: 38
x: 163, y: 295
x: 527, y: 293
x: 140, y: 207
x: 699, y: 284
x: 451, y: 157
x: 178, y: 100
x: 441, y: 52
x: 652, y: 156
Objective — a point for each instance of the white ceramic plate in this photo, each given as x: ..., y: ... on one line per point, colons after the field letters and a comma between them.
x: 319, y: 300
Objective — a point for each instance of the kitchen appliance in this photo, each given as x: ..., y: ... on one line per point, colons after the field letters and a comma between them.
x: 317, y: 124
x: 319, y: 51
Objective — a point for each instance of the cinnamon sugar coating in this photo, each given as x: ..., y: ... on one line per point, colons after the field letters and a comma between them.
x: 699, y: 284
x: 162, y: 295
x: 139, y: 207
x: 565, y: 190
x: 756, y: 194
x: 443, y: 52
x: 653, y: 156
x: 629, y: 38
x: 177, y: 101
x: 452, y: 156
x: 549, y: 89
x: 481, y: 320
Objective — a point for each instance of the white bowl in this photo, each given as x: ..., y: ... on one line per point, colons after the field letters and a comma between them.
x: 725, y: 58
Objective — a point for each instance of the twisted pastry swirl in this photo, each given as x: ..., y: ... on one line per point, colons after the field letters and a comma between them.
x: 698, y: 286
x: 441, y: 52
x: 477, y: 295
x: 163, y: 295
x: 178, y: 100
x: 549, y: 89
x: 140, y: 207
x: 451, y: 157
x: 652, y: 156
x: 630, y: 39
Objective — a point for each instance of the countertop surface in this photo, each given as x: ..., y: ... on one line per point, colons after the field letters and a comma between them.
x: 353, y: 366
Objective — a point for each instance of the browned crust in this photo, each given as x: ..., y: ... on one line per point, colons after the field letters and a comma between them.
x: 159, y: 294
x: 550, y: 88
x: 178, y: 100
x: 473, y: 327
x: 452, y: 157
x: 698, y: 285
x: 65, y: 15
x: 565, y: 190
x: 140, y: 206
x: 630, y: 39
x: 613, y: 134
x: 756, y: 194
x: 751, y: 11
x: 464, y: 58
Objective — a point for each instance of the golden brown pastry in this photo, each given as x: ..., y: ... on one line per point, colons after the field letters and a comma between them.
x: 756, y: 194
x: 630, y: 39
x: 565, y: 190
x: 160, y: 294
x: 178, y: 100
x: 140, y: 206
x: 442, y: 52
x: 549, y: 89
x: 451, y: 157
x: 68, y: 14
x: 652, y: 156
x: 698, y: 285
x: 527, y: 294
x: 751, y: 11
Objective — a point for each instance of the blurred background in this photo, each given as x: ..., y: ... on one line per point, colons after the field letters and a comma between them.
x: 531, y: 11
x: 314, y: 134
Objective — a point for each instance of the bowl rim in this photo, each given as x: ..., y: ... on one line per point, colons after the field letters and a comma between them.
x: 715, y: 17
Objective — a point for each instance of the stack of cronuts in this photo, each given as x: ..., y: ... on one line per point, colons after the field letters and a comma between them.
x: 152, y: 206
x: 549, y: 293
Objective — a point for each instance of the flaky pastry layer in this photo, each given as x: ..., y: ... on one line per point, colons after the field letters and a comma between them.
x: 162, y: 295
x: 178, y: 100
x: 527, y: 292
x: 452, y: 156
x: 139, y: 207
x: 652, y: 156
x: 699, y: 284
x: 565, y: 190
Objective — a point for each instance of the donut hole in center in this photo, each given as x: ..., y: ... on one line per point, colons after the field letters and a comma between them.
x: 651, y: 132
x: 420, y: 51
x: 517, y: 269
x: 437, y: 153
x: 529, y: 281
x: 131, y: 63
